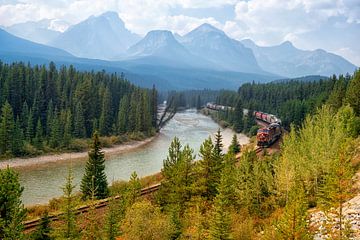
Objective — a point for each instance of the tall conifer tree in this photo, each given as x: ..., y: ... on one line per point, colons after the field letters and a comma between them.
x: 94, y: 171
x: 12, y: 211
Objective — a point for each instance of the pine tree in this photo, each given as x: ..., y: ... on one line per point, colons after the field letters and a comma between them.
x: 352, y: 93
x: 67, y: 129
x: 133, y: 114
x: 208, y: 174
x: 146, y: 121
x: 293, y: 224
x: 44, y: 230
x: 38, y: 140
x: 55, y: 131
x: 7, y: 125
x: 335, y: 191
x: 167, y: 194
x: 133, y: 190
x: 12, y: 211
x: 154, y: 103
x: 18, y: 139
x: 79, y: 121
x: 114, y: 216
x: 138, y: 116
x: 218, y: 144
x: 24, y: 116
x: 94, y: 171
x: 106, y: 114
x: 30, y: 126
x: 176, y: 188
x: 186, y: 181
x: 69, y: 228
x: 234, y: 148
x: 123, y: 114
x: 220, y: 222
x: 238, y: 116
x: 49, y: 118
x: 337, y: 95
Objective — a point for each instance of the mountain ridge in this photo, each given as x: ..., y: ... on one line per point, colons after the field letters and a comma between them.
x: 214, y: 45
x: 99, y: 37
x: 287, y: 60
x: 12, y: 44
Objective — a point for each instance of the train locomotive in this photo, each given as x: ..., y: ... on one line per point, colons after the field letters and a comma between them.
x: 268, y: 135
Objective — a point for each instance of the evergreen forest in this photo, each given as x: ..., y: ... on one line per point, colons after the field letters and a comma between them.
x: 218, y: 195
x: 45, y: 109
x: 291, y: 101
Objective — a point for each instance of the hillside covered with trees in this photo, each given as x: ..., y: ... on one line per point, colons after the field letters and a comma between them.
x: 218, y: 196
x: 292, y: 100
x: 45, y: 109
x: 215, y: 195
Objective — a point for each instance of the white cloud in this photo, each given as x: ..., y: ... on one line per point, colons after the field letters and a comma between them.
x: 267, y: 22
x: 281, y: 19
x: 349, y: 54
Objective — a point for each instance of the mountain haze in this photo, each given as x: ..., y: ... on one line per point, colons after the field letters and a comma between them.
x: 287, y: 60
x: 159, y: 47
x: 102, y: 37
x: 34, y: 31
x: 10, y: 44
x: 215, y: 46
x: 203, y: 58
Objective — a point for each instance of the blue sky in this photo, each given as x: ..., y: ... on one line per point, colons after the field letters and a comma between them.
x: 333, y: 25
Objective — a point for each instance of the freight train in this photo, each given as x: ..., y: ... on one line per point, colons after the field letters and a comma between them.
x: 218, y: 107
x: 270, y: 134
x: 266, y: 117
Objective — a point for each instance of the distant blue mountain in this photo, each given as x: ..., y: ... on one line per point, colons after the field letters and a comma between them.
x: 215, y: 46
x: 10, y: 44
x: 157, y: 59
x: 98, y: 37
x: 287, y: 60
x: 160, y: 48
x: 34, y: 31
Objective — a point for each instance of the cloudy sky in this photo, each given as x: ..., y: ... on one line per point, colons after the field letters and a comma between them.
x: 333, y: 25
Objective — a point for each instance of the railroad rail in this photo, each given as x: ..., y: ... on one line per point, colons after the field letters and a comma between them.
x: 258, y: 150
x: 33, y: 223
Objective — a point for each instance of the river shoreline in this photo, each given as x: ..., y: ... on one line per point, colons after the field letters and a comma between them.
x: 63, y: 157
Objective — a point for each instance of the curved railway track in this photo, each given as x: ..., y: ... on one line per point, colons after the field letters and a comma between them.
x: 31, y: 224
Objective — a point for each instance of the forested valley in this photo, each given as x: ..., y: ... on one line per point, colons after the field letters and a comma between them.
x: 291, y: 101
x: 216, y: 194
x: 45, y: 109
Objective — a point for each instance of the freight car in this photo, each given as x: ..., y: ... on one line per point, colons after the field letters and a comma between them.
x: 266, y: 117
x: 218, y: 107
x: 268, y: 135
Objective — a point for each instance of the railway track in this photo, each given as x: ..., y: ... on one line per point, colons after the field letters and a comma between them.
x: 258, y: 150
x: 31, y: 224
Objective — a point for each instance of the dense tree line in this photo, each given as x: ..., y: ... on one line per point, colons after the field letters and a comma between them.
x: 217, y: 197
x: 191, y: 98
x: 291, y: 101
x: 46, y: 108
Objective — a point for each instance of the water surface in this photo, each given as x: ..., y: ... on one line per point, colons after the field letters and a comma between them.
x: 43, y: 182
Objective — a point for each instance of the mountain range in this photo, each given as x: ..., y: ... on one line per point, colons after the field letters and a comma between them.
x: 101, y: 37
x: 287, y: 60
x: 203, y: 58
x: 39, y: 32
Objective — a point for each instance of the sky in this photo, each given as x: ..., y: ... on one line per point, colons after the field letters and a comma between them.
x: 333, y: 25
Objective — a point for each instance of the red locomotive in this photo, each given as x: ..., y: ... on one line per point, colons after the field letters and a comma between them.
x: 268, y: 135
